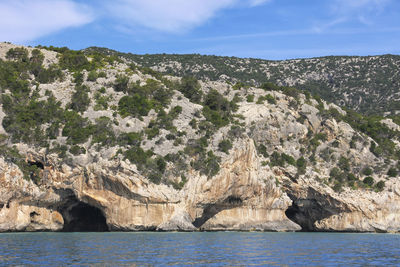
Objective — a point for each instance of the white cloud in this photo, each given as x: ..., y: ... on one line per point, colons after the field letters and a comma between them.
x: 24, y: 20
x: 359, y: 9
x: 258, y: 2
x: 170, y: 16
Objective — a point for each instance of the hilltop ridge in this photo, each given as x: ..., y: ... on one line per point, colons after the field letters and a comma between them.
x: 368, y: 84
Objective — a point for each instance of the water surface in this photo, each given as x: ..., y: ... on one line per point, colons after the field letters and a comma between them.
x: 209, y: 248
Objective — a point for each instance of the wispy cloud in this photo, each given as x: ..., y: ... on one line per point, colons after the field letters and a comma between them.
x: 26, y: 20
x: 342, y: 12
x: 174, y: 16
x: 254, y: 3
x: 322, y: 29
x: 23, y: 20
x: 257, y: 35
x: 169, y: 16
x: 345, y: 6
x: 362, y: 10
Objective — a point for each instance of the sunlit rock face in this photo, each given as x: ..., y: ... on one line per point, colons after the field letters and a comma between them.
x: 279, y: 161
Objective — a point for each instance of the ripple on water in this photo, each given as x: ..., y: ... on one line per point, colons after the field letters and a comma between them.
x: 208, y: 248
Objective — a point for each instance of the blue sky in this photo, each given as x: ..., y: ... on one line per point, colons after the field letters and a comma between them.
x: 269, y: 29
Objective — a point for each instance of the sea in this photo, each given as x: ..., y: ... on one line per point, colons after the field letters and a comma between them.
x: 199, y: 249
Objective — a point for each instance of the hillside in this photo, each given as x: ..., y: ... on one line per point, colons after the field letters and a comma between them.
x: 95, y: 142
x: 370, y: 85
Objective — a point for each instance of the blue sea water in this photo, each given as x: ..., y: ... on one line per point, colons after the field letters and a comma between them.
x: 206, y: 248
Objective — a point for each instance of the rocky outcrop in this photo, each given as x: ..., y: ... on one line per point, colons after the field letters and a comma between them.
x: 241, y: 197
x: 318, y: 208
x: 238, y: 159
x: 109, y: 196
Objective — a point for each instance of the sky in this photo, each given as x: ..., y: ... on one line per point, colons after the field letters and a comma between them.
x: 268, y: 29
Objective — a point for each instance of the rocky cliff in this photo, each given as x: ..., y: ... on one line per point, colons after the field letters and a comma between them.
x: 99, y: 143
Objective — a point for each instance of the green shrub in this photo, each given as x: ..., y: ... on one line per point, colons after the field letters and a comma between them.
x: 24, y: 117
x: 276, y: 159
x: 152, y: 132
x: 216, y: 109
x: 216, y: 118
x: 238, y: 86
x: 351, y: 177
x: 344, y: 164
x: 102, y: 74
x: 270, y: 87
x: 191, y: 89
x: 130, y: 139
x: 268, y: 97
x: 135, y: 106
x: 225, y: 146
x: 262, y: 149
x: 196, y: 146
x: 289, y: 159
x: 76, y: 129
x: 250, y: 98
x: 78, y: 78
x: 337, y: 187
x: 154, y: 177
x: 74, y: 61
x: 80, y: 100
x: 138, y: 156
x: 18, y: 53
x: 49, y: 75
x: 193, y: 123
x: 367, y: 171
x: 368, y: 181
x: 161, y: 95
x: 301, y: 162
x: 92, y: 76
x: 161, y: 164
x: 101, y: 102
x: 207, y: 164
x: 392, y: 172
x: 102, y: 132
x: 77, y: 150
x: 380, y: 185
x: 11, y: 154
x: 121, y: 83
x: 181, y: 184
x: 236, y: 131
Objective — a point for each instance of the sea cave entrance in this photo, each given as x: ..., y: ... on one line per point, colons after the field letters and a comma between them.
x: 82, y: 217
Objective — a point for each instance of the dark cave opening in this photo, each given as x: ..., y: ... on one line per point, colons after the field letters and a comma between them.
x: 208, y: 212
x: 295, y: 214
x: 81, y: 217
x: 38, y: 164
x: 234, y: 200
x: 314, y: 207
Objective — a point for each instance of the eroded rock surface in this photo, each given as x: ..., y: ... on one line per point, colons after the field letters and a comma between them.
x: 291, y: 163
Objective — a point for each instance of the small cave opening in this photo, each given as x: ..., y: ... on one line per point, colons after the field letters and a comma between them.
x: 38, y: 164
x: 33, y: 214
x: 234, y: 200
x: 81, y: 217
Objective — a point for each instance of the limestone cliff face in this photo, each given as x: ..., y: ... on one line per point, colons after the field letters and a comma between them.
x: 241, y: 197
x: 318, y: 208
x: 127, y: 149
